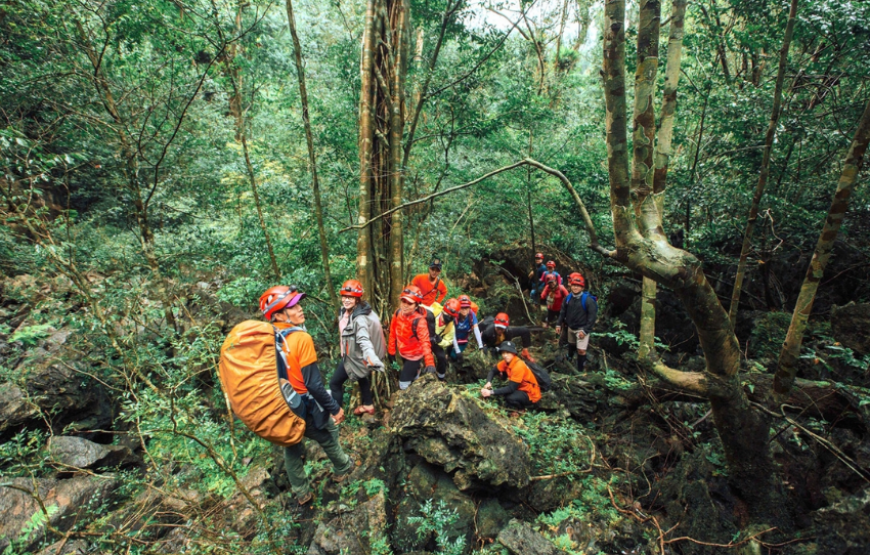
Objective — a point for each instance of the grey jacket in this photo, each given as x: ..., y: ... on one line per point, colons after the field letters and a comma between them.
x: 362, y: 343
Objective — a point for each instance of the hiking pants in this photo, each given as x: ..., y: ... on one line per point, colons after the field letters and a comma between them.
x: 410, y: 372
x: 294, y: 456
x: 336, y: 386
x: 518, y: 400
x: 552, y: 316
x: 440, y: 361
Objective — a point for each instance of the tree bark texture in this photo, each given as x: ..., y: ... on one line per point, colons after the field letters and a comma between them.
x: 765, y: 164
x: 382, y: 120
x: 744, y: 433
x: 785, y: 374
x: 312, y: 155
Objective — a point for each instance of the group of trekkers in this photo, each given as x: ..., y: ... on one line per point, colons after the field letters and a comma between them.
x: 424, y: 335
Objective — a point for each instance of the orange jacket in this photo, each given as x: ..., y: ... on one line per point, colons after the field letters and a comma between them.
x: 431, y: 294
x: 518, y: 372
x: 412, y: 346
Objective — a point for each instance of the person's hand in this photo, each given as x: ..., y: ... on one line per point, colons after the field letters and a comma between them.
x: 485, y: 392
x: 488, y: 385
x: 339, y: 418
x: 559, y: 330
x: 429, y: 369
x: 581, y: 334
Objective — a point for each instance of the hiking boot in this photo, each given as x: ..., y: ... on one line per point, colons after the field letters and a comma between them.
x: 305, y: 499
x: 339, y: 478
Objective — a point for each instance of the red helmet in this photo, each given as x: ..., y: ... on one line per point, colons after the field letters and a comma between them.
x: 551, y: 278
x: 577, y: 279
x: 412, y: 294
x: 539, y: 255
x: 502, y: 320
x: 351, y: 288
x: 551, y: 264
x: 464, y: 301
x: 278, y: 298
x: 451, y: 308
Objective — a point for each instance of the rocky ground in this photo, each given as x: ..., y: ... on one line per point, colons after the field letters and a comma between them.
x: 614, y: 462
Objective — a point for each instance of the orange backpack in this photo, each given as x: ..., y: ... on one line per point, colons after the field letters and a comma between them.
x: 249, y: 371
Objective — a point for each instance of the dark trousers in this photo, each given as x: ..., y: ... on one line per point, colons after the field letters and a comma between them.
x: 410, y: 372
x: 440, y: 361
x: 518, y: 400
x: 552, y: 316
x: 336, y: 386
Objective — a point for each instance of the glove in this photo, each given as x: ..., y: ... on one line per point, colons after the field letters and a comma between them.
x: 526, y: 355
x: 459, y: 359
x: 429, y: 369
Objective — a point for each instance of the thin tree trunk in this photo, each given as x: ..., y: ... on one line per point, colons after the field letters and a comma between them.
x: 785, y: 373
x: 253, y: 179
x: 643, y: 163
x: 312, y: 155
x: 397, y: 127
x: 744, y: 433
x: 365, y: 250
x: 765, y: 165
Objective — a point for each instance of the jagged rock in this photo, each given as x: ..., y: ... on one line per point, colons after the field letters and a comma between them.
x: 424, y: 483
x: 77, y: 499
x: 851, y: 326
x: 81, y: 453
x: 450, y: 430
x: 491, y: 518
x: 49, y: 382
x: 357, y: 532
x: 546, y: 495
x: 842, y: 527
x: 241, y: 516
x: 521, y: 539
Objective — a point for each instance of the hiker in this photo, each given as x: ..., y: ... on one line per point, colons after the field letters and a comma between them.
x: 500, y: 330
x: 280, y: 305
x: 535, y: 277
x: 550, y: 271
x: 522, y: 390
x: 363, y: 348
x: 464, y: 324
x: 409, y: 337
x: 431, y: 286
x: 579, y: 311
x: 445, y: 335
x: 553, y: 294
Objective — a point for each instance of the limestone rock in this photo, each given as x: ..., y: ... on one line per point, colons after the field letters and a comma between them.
x: 355, y: 532
x: 491, y: 518
x: 851, y: 326
x: 76, y: 500
x: 80, y: 453
x: 521, y: 539
x: 452, y: 431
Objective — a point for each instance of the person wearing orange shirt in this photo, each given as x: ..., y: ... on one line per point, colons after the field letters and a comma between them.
x: 522, y: 390
x: 281, y: 306
x: 431, y: 286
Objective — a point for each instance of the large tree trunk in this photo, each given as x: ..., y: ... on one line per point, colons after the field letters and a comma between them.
x: 312, y: 155
x: 365, y: 244
x: 785, y: 373
x: 645, y: 249
x: 765, y: 164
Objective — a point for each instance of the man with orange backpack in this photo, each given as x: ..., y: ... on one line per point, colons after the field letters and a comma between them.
x: 409, y: 337
x: 280, y: 305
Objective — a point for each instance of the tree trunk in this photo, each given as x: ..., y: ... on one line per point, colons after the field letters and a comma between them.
x: 744, y: 433
x: 765, y: 164
x: 365, y: 244
x: 312, y: 155
x: 785, y: 374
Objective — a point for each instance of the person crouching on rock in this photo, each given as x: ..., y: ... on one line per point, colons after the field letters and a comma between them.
x: 362, y: 346
x: 500, y: 330
x: 281, y: 305
x: 522, y: 390
x: 409, y: 336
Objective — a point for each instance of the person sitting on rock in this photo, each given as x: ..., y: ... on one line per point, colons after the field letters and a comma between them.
x: 522, y: 390
x: 465, y: 323
x: 500, y: 330
x: 431, y: 287
x: 553, y: 294
x: 280, y: 305
x: 362, y: 345
x: 409, y: 337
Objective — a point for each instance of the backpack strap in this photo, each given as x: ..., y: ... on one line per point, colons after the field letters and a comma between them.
x: 281, y: 354
x: 583, y: 297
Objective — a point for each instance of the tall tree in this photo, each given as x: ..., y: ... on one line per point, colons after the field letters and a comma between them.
x: 786, y: 371
x: 765, y: 164
x: 642, y: 246
x: 312, y: 155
